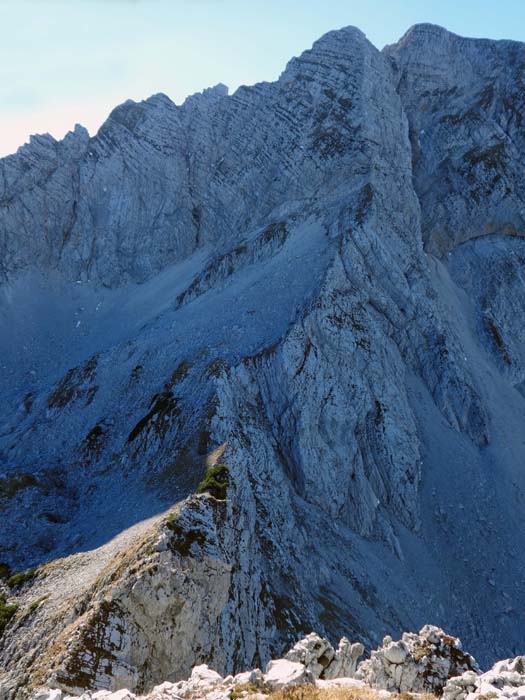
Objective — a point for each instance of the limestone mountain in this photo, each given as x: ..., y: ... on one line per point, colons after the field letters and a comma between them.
x: 318, y: 283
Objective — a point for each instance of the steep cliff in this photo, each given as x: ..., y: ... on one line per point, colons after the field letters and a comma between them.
x: 317, y: 282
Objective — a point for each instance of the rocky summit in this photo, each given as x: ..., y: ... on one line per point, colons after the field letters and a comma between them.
x: 263, y: 371
x: 418, y: 667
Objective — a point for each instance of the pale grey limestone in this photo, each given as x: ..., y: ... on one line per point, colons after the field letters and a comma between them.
x: 421, y: 662
x: 506, y: 679
x: 317, y: 281
x: 344, y: 663
x: 314, y: 652
x: 427, y: 665
x: 283, y: 673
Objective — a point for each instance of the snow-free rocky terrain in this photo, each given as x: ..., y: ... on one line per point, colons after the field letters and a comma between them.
x: 417, y: 667
x: 318, y: 282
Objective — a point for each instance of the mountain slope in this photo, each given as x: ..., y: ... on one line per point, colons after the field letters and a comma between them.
x: 318, y: 282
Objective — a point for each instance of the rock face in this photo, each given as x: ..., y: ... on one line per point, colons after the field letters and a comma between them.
x: 464, y: 101
x: 317, y: 282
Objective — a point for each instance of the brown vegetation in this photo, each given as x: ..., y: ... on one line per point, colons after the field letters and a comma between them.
x: 311, y: 692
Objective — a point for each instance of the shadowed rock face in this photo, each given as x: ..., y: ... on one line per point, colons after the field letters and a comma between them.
x: 317, y: 282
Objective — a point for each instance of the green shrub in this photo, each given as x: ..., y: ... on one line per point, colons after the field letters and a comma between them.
x: 17, y: 580
x: 5, y: 570
x: 36, y: 603
x: 216, y: 481
x: 6, y: 613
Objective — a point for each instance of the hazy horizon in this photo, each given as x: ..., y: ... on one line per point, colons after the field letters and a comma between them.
x: 66, y: 62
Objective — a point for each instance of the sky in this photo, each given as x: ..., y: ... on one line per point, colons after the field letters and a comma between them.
x: 69, y: 61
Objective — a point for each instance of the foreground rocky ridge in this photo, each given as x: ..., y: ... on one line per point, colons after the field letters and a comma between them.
x: 429, y: 664
x: 317, y: 282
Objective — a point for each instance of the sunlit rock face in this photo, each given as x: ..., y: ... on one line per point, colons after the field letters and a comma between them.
x: 464, y: 100
x: 317, y: 282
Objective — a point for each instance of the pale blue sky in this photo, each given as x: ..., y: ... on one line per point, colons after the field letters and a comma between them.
x: 68, y: 61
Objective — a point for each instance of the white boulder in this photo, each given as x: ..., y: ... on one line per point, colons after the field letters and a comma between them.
x: 254, y: 677
x: 99, y: 695
x: 506, y: 679
x: 205, y: 676
x: 283, y: 673
x: 396, y: 652
x: 46, y: 694
x: 123, y: 694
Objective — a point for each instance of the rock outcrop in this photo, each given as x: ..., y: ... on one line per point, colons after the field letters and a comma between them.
x: 506, y: 679
x: 322, y: 660
x: 316, y: 282
x: 421, y: 663
x: 417, y: 663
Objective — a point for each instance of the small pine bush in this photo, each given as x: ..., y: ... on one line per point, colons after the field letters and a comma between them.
x: 6, y: 613
x: 216, y: 482
x: 36, y: 603
x: 17, y: 580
